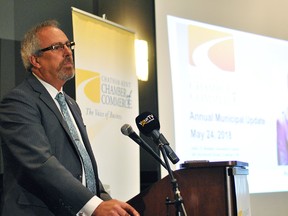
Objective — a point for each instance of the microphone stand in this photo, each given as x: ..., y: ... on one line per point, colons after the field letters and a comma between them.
x: 178, y: 201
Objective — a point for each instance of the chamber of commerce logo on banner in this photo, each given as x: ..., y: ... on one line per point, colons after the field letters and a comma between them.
x: 106, y: 90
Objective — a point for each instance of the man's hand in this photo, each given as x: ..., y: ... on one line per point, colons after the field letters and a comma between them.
x: 115, y: 208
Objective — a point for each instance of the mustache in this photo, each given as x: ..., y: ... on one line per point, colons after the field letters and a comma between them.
x: 67, y: 59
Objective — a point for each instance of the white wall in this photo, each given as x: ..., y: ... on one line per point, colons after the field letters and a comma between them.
x: 269, y: 204
x: 267, y: 17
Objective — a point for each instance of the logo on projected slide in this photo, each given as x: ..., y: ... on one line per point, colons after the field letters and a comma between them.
x: 104, y: 90
x: 211, y: 48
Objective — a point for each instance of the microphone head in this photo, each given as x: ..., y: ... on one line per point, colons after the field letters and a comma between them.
x: 147, y: 122
x: 126, y: 129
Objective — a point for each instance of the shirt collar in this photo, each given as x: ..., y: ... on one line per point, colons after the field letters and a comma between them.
x: 51, y: 89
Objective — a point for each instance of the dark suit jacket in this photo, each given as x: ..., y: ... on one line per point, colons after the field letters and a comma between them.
x: 42, y: 169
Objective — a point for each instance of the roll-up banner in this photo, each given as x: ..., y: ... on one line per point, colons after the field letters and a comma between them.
x: 107, y: 93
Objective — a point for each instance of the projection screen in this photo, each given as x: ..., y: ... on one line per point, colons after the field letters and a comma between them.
x: 224, y: 63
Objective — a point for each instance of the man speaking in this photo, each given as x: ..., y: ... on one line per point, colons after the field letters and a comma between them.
x: 49, y: 167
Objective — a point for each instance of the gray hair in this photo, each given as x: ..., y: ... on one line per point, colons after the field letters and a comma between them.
x: 31, y: 44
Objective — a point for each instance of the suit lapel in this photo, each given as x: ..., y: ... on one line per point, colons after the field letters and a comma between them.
x: 48, y: 100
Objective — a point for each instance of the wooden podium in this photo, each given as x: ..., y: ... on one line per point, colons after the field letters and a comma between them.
x: 207, y: 189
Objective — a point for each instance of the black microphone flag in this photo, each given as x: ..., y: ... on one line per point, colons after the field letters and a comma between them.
x: 149, y: 125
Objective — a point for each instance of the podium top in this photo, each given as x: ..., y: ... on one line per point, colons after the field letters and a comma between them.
x: 206, y: 163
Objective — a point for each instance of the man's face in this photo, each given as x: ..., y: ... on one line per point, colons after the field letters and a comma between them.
x: 55, y: 66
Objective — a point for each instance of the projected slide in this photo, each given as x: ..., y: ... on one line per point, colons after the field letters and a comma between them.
x: 230, y: 96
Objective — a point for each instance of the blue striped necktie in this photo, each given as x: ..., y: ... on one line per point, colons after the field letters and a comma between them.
x: 88, y: 169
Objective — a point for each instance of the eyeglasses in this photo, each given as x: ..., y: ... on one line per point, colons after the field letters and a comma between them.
x: 58, y: 46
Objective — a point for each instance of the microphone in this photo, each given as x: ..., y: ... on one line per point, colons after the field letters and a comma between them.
x: 149, y: 125
x: 127, y: 130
